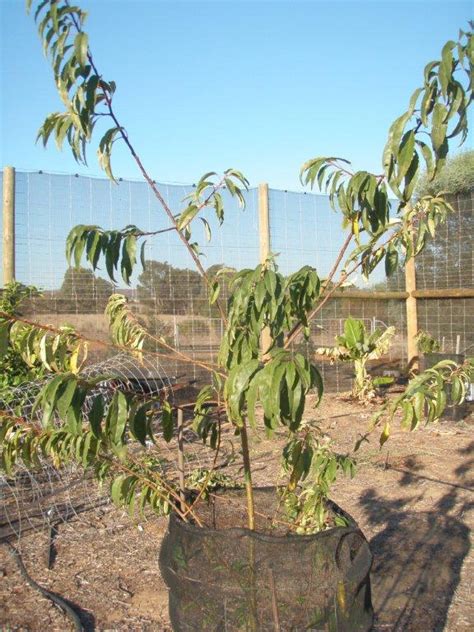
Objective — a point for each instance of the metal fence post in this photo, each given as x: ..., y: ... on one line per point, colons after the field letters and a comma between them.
x: 8, y: 225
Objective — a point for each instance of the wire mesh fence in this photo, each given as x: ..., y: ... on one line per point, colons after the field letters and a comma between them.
x: 169, y: 295
x: 447, y: 263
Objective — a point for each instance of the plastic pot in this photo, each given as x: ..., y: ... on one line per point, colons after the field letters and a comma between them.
x: 233, y: 579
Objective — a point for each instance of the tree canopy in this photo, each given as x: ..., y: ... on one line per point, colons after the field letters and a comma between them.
x: 456, y: 177
x: 167, y: 289
x: 83, y: 291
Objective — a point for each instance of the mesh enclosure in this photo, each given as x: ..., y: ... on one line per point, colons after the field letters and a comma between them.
x: 171, y: 299
x: 230, y: 578
x: 41, y: 497
x: 447, y: 263
x: 448, y: 260
x: 169, y: 296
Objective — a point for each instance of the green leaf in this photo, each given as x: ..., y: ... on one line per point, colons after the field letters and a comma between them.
x: 391, y: 260
x: 418, y: 405
x: 74, y: 412
x: 93, y: 249
x: 215, y: 290
x: 128, y: 257
x: 411, y: 178
x: 86, y: 448
x: 405, y: 153
x: 353, y: 331
x: 79, y: 249
x: 441, y: 400
x: 207, y: 228
x: 408, y: 415
x: 317, y: 381
x: 167, y: 421
x: 116, y: 490
x: 47, y: 397
x: 138, y: 425
x: 457, y: 391
x: 80, y: 45
x: 142, y: 255
x: 446, y: 66
x: 96, y: 415
x: 65, y: 399
x: 116, y: 418
x: 105, y: 150
x: 236, y: 386
x: 187, y: 216
x: 4, y: 337
x: 252, y: 397
x: 439, y: 126
x: 394, y: 137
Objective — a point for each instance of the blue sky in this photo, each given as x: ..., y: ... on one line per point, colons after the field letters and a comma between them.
x: 258, y: 85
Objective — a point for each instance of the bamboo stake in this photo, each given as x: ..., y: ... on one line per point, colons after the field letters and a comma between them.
x: 181, y: 459
x: 276, y: 617
x: 247, y: 477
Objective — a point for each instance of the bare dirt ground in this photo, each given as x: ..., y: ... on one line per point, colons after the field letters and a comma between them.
x: 413, y: 500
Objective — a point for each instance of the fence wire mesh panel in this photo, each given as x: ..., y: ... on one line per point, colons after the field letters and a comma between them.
x: 306, y: 231
x: 448, y: 260
x: 448, y: 264
x: 169, y: 295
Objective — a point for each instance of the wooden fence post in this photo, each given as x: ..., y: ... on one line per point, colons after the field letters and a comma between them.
x: 8, y: 225
x: 265, y: 248
x: 263, y: 221
x: 412, y: 314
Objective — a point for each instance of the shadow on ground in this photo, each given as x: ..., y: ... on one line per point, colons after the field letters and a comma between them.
x: 418, y: 556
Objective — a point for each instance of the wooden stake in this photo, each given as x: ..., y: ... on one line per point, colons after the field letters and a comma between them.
x: 276, y: 617
x: 412, y: 314
x: 265, y: 248
x: 8, y: 225
x: 248, y: 477
x: 263, y: 221
x: 181, y: 459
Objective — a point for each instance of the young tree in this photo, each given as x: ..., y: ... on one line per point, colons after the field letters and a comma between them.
x: 273, y: 379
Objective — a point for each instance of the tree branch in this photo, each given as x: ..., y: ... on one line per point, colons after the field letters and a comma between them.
x: 148, y: 178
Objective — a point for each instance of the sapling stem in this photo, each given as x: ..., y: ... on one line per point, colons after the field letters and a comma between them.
x: 247, y: 477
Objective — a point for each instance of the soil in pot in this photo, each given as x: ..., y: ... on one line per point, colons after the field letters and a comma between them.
x: 224, y: 577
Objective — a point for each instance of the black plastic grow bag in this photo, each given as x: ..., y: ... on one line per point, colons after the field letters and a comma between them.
x: 234, y: 579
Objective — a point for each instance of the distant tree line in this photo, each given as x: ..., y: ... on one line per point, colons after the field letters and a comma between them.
x: 161, y: 288
x: 166, y: 289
